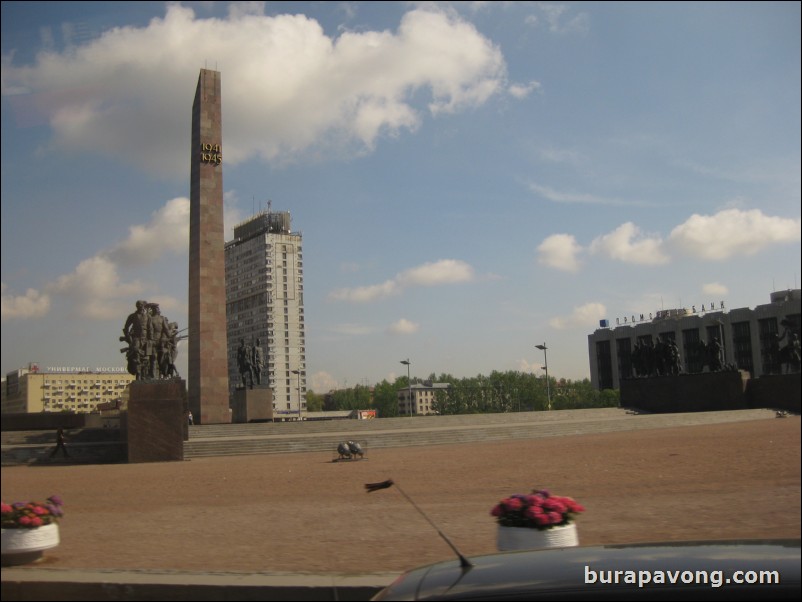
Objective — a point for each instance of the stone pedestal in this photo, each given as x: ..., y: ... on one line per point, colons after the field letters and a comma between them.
x: 252, y: 405
x: 776, y: 391
x: 157, y: 421
x: 705, y: 392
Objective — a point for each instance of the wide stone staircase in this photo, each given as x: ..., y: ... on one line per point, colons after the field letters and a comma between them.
x: 320, y: 436
x: 103, y: 446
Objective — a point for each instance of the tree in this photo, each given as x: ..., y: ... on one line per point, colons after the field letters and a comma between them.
x: 314, y: 402
x: 385, y: 399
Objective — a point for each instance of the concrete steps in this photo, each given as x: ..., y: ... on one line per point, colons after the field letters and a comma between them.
x: 269, y: 438
x: 103, y: 445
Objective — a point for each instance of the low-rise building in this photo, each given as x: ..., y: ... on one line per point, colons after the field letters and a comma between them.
x: 419, y: 398
x: 63, y: 389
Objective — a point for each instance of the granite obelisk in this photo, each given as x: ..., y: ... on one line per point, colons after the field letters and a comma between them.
x: 208, y: 362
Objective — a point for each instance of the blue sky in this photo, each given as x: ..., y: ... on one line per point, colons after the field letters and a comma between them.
x: 471, y: 179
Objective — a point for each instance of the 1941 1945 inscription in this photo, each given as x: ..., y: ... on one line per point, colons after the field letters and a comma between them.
x: 211, y: 153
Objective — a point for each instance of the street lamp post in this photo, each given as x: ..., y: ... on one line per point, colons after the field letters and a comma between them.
x: 546, y: 368
x: 298, y: 372
x: 409, y: 387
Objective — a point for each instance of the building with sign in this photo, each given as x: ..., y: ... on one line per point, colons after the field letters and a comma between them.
x: 63, y: 389
x: 750, y: 338
x: 265, y: 301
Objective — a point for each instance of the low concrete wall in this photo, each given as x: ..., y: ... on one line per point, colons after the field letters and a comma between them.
x: 778, y: 391
x: 50, y: 421
x: 705, y: 392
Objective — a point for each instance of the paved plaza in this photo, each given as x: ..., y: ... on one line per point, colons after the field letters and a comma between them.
x: 241, y: 517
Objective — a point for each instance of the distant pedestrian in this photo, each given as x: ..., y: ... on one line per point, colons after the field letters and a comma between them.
x: 60, y: 444
x: 191, y: 421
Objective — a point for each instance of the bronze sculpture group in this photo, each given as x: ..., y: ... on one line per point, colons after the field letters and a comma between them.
x: 152, y: 343
x: 663, y: 358
x: 251, y: 361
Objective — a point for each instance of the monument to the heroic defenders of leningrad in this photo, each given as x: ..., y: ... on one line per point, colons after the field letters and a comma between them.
x: 208, y: 362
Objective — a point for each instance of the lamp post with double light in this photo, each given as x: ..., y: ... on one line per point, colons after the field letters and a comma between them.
x: 406, y: 362
x: 543, y: 348
x: 298, y: 372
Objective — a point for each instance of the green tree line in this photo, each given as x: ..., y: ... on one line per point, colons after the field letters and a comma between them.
x: 497, y: 393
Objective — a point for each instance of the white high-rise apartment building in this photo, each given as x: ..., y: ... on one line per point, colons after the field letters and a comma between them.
x: 265, y: 301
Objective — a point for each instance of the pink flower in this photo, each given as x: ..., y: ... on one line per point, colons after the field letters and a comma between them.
x: 25, y: 520
x: 5, y: 508
x: 497, y: 510
x: 554, y: 518
x: 40, y: 511
x: 533, y: 512
x: 542, y: 520
x: 512, y: 504
x: 37, y: 522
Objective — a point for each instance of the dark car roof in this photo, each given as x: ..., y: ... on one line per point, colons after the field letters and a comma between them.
x: 698, y: 569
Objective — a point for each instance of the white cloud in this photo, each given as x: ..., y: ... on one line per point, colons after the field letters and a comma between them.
x: 167, y: 230
x: 714, y: 288
x: 557, y: 196
x: 32, y: 304
x: 322, y: 382
x: 628, y: 244
x: 444, y: 271
x: 95, y: 287
x: 733, y: 232
x: 553, y: 13
x: 523, y: 90
x: 584, y: 315
x: 288, y: 88
x: 529, y: 367
x: 403, y: 326
x: 561, y: 252
x: 364, y: 294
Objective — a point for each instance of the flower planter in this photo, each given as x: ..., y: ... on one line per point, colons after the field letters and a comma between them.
x: 21, y: 546
x: 520, y: 538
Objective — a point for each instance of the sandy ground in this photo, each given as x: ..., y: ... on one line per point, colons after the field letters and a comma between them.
x: 304, y: 513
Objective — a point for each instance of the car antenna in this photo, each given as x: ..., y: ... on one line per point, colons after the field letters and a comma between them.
x: 371, y: 487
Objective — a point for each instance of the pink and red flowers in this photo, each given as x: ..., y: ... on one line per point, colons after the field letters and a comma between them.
x: 29, y: 515
x: 538, y: 510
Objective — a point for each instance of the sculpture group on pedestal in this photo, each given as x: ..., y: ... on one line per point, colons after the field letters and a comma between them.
x: 251, y: 361
x: 152, y: 343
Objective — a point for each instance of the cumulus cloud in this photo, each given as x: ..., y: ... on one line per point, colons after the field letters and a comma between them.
x: 95, y: 287
x: 322, y: 382
x: 560, y: 21
x: 714, y: 288
x: 561, y: 252
x: 628, y: 244
x: 584, y: 315
x: 288, y: 88
x: 525, y: 366
x: 403, y: 326
x: 33, y: 304
x: 444, y: 271
x: 523, y: 90
x: 167, y: 231
x: 733, y: 232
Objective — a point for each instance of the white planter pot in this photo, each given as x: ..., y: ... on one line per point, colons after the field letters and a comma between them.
x: 21, y: 546
x: 519, y: 538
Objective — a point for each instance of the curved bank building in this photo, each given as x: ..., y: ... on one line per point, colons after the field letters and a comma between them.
x: 753, y: 340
